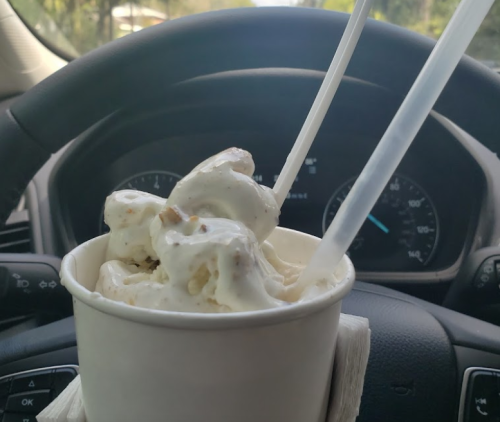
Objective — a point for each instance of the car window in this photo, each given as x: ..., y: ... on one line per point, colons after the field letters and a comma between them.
x: 75, y: 27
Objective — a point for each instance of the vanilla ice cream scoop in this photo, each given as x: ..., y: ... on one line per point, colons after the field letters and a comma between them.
x: 205, y: 265
x: 203, y: 249
x: 129, y: 213
x: 222, y: 186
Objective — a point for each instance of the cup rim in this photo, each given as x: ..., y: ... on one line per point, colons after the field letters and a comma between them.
x: 193, y: 320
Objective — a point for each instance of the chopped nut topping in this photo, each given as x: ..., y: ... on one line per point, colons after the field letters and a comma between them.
x: 154, y: 265
x: 200, y: 278
x: 170, y: 214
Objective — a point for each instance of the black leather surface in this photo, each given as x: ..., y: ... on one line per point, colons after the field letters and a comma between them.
x: 462, y: 330
x: 411, y: 372
x: 20, y: 158
x: 68, y: 356
x: 56, y: 336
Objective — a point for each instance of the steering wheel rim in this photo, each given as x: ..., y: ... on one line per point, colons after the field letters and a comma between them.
x: 88, y: 89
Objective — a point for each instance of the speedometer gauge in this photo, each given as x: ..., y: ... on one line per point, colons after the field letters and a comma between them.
x: 159, y: 183
x: 400, y: 233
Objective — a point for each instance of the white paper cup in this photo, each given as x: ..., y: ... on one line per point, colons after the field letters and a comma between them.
x: 140, y: 365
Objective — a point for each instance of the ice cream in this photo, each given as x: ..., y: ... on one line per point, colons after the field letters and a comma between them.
x: 128, y: 214
x: 203, y: 249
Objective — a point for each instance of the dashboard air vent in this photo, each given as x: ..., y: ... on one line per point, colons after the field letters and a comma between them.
x: 15, y: 236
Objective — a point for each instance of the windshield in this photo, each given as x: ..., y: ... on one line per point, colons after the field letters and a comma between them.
x: 78, y: 26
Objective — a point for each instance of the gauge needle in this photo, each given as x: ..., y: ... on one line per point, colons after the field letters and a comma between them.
x: 378, y: 223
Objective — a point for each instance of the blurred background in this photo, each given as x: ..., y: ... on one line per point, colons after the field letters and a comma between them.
x: 74, y: 27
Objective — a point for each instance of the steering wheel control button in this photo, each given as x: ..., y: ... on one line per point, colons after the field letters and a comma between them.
x: 483, y: 398
x: 487, y: 277
x: 32, y: 403
x: 16, y: 417
x: 25, y: 394
x: 32, y: 381
x: 30, y: 277
x: 33, y: 285
x: 62, y: 377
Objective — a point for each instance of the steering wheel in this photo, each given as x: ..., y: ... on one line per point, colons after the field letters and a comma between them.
x: 419, y: 350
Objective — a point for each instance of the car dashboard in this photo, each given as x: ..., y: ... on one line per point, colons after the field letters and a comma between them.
x: 421, y: 228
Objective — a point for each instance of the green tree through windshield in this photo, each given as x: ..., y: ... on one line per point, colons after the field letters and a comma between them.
x: 78, y: 26
x: 429, y: 17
